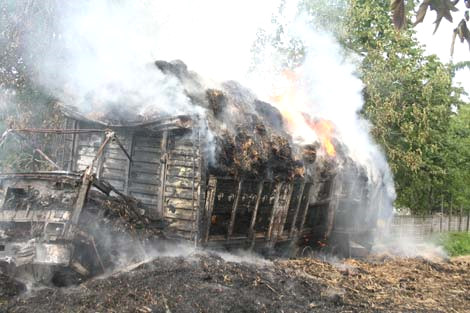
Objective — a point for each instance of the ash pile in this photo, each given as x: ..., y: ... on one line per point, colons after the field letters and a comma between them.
x: 204, y: 282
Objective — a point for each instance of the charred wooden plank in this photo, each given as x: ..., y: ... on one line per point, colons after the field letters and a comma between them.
x: 277, y: 191
x: 147, y: 157
x: 180, y: 182
x: 179, y: 214
x: 163, y: 170
x: 145, y: 141
x: 173, y: 203
x: 184, y: 141
x: 280, y: 207
x: 284, y: 208
x: 297, y: 208
x: 180, y: 151
x: 144, y: 178
x: 182, y: 193
x: 140, y: 167
x: 113, y: 172
x: 118, y: 184
x: 179, y: 224
x: 183, y: 157
x: 116, y: 155
x: 209, y: 205
x: 305, y: 208
x: 251, y: 231
x: 150, y: 201
x: 182, y: 163
x: 79, y: 204
x: 87, y: 151
x: 143, y: 188
x: 144, y: 149
x: 73, y: 149
x: 182, y: 172
x: 234, y: 210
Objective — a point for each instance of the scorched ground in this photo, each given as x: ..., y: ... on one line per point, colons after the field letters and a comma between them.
x: 204, y: 282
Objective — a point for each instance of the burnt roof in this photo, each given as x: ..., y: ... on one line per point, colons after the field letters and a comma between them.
x: 153, y: 123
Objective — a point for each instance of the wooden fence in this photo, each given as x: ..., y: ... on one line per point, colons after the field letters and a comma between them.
x: 423, y: 226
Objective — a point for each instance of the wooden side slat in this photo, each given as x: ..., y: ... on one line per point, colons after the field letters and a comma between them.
x: 180, y: 182
x: 179, y: 224
x: 182, y: 172
x: 172, y: 203
x: 179, y: 214
x: 183, y: 193
x: 143, y: 188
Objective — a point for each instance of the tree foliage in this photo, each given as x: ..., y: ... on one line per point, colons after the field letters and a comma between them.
x: 458, y: 158
x: 409, y: 98
x: 443, y: 8
x: 22, y: 102
x: 416, y: 112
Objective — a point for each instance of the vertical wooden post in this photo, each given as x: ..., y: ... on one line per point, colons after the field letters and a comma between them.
x: 296, y: 213
x: 432, y: 222
x: 442, y: 214
x: 129, y: 163
x: 282, y: 208
x: 234, y: 210
x: 285, y: 208
x: 468, y: 221
x: 305, y: 211
x: 193, y: 208
x: 209, y: 206
x: 460, y: 220
x: 73, y: 149
x: 251, y: 231
x: 450, y: 217
x: 163, y: 170
x: 274, y: 210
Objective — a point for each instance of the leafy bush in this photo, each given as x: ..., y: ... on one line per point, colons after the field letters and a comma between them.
x: 455, y: 243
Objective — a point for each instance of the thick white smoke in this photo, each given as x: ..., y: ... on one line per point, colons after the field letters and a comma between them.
x: 327, y: 87
x: 104, y: 51
x: 6, y: 100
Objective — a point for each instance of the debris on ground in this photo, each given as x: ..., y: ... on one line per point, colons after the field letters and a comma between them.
x: 205, y: 282
x: 397, y: 284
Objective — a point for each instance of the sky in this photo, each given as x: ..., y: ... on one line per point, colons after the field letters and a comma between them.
x: 440, y: 44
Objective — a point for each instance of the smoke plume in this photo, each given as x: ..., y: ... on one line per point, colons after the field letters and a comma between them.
x: 102, y: 52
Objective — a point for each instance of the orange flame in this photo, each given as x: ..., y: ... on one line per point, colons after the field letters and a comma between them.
x: 324, y: 130
x: 293, y: 103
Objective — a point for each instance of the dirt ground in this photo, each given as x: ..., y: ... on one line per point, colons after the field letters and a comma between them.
x: 204, y: 282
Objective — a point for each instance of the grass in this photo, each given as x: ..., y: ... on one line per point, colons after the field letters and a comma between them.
x: 455, y: 243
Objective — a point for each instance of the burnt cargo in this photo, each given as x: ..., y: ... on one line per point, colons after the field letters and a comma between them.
x: 160, y: 166
x: 157, y: 178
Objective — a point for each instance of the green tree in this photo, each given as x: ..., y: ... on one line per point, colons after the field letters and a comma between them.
x: 458, y: 158
x: 22, y: 102
x: 409, y: 99
x: 409, y: 96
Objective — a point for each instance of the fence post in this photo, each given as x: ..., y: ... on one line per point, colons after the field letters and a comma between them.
x: 468, y: 221
x: 432, y: 221
x: 442, y: 214
x: 431, y: 229
x: 460, y: 220
x: 450, y: 217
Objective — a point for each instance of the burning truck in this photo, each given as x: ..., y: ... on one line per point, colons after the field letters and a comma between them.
x: 227, y: 175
